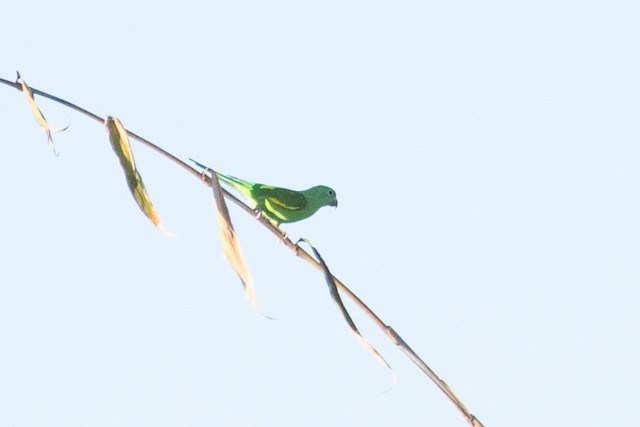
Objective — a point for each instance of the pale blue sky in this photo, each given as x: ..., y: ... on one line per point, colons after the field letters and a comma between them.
x: 485, y: 156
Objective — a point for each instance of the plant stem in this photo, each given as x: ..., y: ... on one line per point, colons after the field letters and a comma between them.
x: 393, y: 336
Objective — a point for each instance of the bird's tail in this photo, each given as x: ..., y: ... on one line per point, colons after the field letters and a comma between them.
x: 237, y: 183
x: 243, y: 187
x: 240, y: 185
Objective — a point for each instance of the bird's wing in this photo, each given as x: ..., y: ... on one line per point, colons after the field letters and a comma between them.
x: 284, y: 198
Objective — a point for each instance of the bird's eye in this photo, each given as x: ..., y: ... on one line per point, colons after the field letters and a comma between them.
x: 331, y: 193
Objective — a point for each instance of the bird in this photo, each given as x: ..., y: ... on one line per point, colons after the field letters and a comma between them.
x: 281, y: 205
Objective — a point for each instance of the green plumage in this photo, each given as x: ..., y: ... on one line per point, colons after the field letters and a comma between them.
x: 280, y: 204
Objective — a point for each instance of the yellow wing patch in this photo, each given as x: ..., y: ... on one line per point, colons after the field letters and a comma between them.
x: 285, y: 199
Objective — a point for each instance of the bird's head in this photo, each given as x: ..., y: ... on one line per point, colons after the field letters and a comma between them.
x: 325, y: 195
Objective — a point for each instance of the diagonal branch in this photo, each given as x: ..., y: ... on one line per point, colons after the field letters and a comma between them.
x: 393, y: 336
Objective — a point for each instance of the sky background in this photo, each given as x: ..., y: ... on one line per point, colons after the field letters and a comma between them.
x: 486, y: 160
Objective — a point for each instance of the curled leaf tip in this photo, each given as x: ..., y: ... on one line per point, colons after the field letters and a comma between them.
x: 333, y: 290
x: 120, y: 143
x: 205, y: 169
x: 37, y: 113
x: 230, y: 246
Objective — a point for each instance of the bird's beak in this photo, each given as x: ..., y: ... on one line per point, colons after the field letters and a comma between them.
x: 334, y: 203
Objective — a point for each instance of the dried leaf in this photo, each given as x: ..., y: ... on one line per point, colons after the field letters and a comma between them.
x: 120, y: 144
x: 37, y: 114
x: 333, y: 290
x: 230, y: 246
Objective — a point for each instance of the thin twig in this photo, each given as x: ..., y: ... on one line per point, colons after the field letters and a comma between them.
x: 393, y: 336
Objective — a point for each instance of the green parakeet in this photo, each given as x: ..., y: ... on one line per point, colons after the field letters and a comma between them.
x: 280, y: 204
